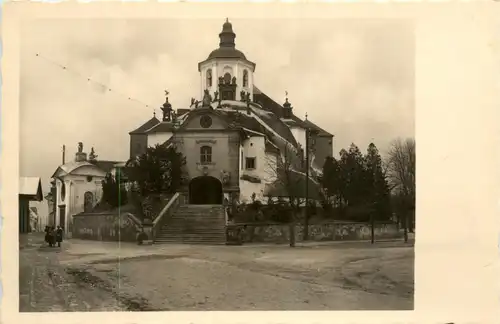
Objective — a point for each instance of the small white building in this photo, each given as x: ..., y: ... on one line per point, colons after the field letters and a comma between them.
x: 78, y: 187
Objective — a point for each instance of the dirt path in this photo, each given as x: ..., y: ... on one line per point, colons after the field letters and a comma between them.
x: 93, y: 276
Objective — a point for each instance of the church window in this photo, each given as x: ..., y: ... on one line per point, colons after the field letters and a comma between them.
x: 227, y: 78
x: 250, y: 163
x: 88, y: 201
x: 245, y: 78
x: 63, y: 191
x: 205, y: 154
x: 205, y: 121
x: 209, y: 77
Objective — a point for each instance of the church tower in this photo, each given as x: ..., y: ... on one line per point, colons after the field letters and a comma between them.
x: 227, y: 70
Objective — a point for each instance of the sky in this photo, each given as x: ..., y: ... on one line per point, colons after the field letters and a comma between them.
x: 354, y: 78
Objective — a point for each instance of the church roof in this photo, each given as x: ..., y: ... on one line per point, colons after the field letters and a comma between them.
x: 243, y: 120
x: 146, y: 126
x: 227, y: 48
x: 266, y: 102
x: 295, y: 186
x: 105, y: 166
x: 275, y: 123
x: 321, y: 131
x: 162, y: 127
x: 226, y: 52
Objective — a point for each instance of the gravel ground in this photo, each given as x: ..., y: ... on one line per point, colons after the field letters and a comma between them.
x: 87, y: 276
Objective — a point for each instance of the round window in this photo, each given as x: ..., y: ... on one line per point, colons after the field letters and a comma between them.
x: 205, y: 121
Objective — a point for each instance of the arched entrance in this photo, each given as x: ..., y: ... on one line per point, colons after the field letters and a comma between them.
x: 205, y: 190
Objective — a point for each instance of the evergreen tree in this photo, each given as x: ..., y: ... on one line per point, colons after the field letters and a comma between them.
x: 113, y: 193
x: 356, y: 175
x: 378, y: 192
x: 158, y: 170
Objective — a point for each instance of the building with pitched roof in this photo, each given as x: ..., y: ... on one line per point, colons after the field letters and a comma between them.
x: 30, y: 189
x: 235, y: 136
x: 78, y: 187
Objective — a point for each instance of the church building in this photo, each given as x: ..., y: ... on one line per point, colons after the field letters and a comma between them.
x: 236, y: 137
x: 236, y: 140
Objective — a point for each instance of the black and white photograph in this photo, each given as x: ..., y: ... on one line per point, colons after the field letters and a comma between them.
x: 222, y: 163
x: 235, y: 164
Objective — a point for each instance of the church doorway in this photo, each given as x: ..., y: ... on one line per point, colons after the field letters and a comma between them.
x: 205, y: 190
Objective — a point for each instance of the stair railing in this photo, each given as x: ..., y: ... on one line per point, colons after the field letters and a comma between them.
x: 165, y: 214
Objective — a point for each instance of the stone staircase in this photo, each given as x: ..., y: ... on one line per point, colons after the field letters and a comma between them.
x: 195, y: 224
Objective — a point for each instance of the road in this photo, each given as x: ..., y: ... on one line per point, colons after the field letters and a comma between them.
x: 98, y: 276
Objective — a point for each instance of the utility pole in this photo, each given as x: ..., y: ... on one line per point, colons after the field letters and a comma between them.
x: 306, y: 220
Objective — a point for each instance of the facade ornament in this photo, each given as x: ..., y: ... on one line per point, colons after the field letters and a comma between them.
x: 192, y: 102
x: 221, y: 80
x: 243, y: 95
x: 225, y: 177
x: 207, y: 98
x: 92, y: 155
x: 233, y: 80
x: 80, y: 147
x: 216, y: 95
x: 166, y: 108
x: 196, y: 103
x: 248, y: 102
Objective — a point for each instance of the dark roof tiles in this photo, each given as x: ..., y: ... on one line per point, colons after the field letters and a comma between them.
x: 146, y: 126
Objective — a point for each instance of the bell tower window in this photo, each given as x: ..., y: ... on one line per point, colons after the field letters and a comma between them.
x: 245, y: 78
x: 227, y: 78
x: 227, y: 87
x: 209, y: 77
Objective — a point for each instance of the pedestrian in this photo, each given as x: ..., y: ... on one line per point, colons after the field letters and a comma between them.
x: 59, y: 235
x: 52, y: 237
x: 47, y: 230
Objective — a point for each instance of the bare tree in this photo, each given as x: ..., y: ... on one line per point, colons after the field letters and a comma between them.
x: 286, y: 182
x: 400, y: 165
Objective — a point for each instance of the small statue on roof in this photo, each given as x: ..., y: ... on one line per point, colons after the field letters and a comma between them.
x: 166, y: 108
x: 221, y: 80
x: 92, y: 155
x: 216, y: 95
x: 207, y: 98
x: 80, y: 147
x: 196, y: 103
x: 243, y: 95
x: 233, y: 80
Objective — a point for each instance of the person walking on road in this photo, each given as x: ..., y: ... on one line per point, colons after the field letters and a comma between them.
x: 59, y: 235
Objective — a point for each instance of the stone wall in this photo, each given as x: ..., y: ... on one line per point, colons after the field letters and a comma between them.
x: 279, y: 233
x: 105, y: 227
